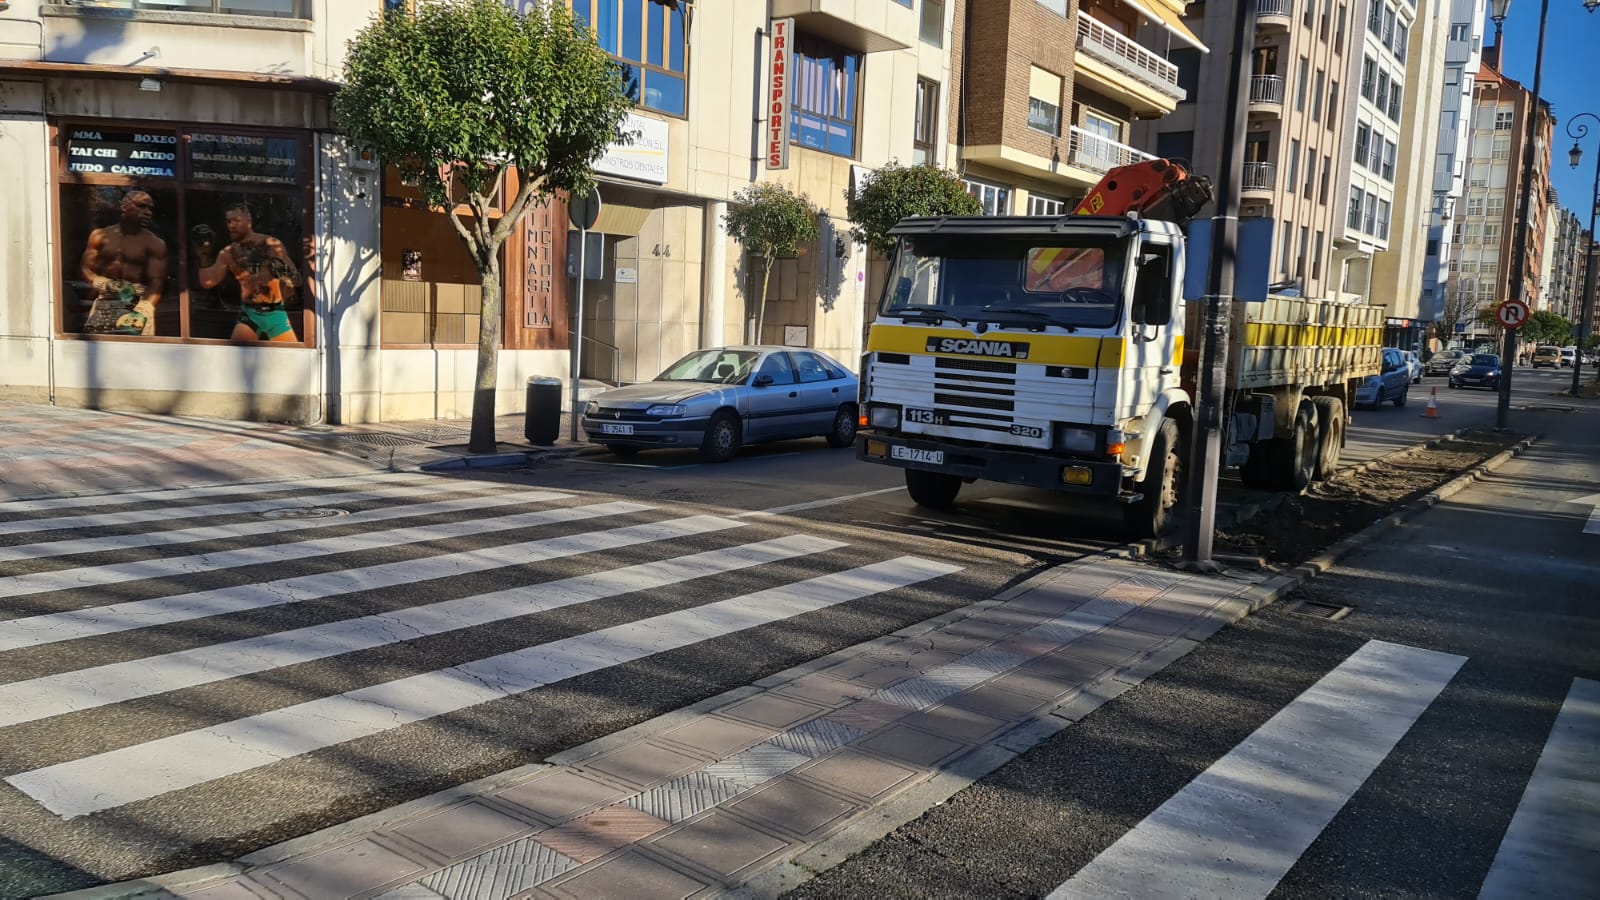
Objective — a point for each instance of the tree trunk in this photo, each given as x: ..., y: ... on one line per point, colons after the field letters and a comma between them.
x: 761, y: 307
x: 483, y: 395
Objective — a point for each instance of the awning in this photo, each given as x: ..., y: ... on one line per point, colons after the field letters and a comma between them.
x: 1166, y: 18
x: 27, y: 68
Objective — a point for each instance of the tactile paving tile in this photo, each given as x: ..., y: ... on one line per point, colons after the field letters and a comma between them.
x: 684, y: 797
x: 491, y: 875
x: 759, y: 764
x: 992, y: 661
x: 817, y: 737
x: 922, y: 692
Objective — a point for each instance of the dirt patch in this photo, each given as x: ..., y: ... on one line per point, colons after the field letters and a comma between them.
x: 1588, y: 390
x: 1296, y: 528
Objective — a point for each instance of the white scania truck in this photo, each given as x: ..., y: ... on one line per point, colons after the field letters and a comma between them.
x: 1050, y: 352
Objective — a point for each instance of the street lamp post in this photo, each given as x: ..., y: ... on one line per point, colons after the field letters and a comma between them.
x: 1519, y: 246
x: 1577, y: 131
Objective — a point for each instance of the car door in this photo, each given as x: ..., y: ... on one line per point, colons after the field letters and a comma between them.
x: 1396, y: 375
x: 774, y: 406
x: 821, y: 392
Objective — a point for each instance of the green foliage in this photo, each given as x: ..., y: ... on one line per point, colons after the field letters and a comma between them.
x: 1546, y: 327
x: 769, y: 221
x: 1592, y: 342
x: 895, y: 192
x: 461, y: 91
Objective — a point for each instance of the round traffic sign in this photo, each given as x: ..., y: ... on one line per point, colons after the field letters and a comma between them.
x: 1512, y: 313
x: 584, y: 211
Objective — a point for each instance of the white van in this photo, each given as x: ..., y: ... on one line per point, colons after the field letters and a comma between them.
x: 1569, y: 356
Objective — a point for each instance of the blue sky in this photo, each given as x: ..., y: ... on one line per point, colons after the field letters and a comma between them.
x: 1571, y: 73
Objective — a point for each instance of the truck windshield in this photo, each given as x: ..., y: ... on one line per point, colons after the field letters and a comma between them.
x: 980, y: 278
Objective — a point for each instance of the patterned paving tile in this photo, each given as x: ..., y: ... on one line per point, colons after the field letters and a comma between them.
x: 993, y: 660
x: 868, y: 714
x: 686, y: 796
x: 492, y: 875
x: 1133, y: 593
x: 817, y: 737
x: 919, y: 693
x: 601, y: 832
x: 759, y: 764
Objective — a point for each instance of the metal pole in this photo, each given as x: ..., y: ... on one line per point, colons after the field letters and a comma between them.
x: 1206, y: 452
x: 577, y: 345
x: 1519, y: 249
x: 1586, y: 304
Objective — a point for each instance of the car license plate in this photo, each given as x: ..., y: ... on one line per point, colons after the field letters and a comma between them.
x: 613, y: 428
x: 911, y: 454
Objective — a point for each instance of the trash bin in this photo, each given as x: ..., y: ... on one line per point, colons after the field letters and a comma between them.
x: 541, y: 423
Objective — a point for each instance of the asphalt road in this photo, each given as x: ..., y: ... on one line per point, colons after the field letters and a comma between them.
x: 1502, y: 578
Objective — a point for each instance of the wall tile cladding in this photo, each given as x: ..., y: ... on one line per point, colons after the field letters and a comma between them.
x: 1005, y: 38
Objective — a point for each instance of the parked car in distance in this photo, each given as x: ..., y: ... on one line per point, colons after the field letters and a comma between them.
x: 1442, y: 362
x: 718, y: 400
x: 1569, y: 356
x: 1549, y: 355
x: 1413, y: 365
x: 1477, y: 370
x: 1392, y: 384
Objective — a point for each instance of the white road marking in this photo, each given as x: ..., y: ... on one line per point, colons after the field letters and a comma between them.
x: 1593, y: 501
x: 54, y: 695
x: 142, y: 771
x: 114, y: 573
x: 1238, y: 827
x: 215, y: 490
x: 240, y: 507
x: 815, y: 504
x: 1552, y: 847
x: 69, y: 625
x: 277, y: 526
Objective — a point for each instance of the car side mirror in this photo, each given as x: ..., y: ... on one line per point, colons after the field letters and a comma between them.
x: 762, y: 381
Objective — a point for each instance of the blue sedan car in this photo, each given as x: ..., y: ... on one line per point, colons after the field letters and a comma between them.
x: 1391, y: 385
x: 718, y: 400
x: 1477, y: 370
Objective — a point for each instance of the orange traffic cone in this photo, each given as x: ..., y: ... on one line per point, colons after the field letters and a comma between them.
x: 1432, y: 412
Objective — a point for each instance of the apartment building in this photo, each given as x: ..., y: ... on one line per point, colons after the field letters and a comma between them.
x: 180, y: 109
x: 1297, y: 143
x: 1462, y: 57
x: 1046, y: 93
x: 1563, y: 262
x: 1419, y: 43
x: 1483, y: 235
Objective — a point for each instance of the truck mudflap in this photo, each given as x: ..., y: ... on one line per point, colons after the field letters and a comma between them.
x: 1033, y: 469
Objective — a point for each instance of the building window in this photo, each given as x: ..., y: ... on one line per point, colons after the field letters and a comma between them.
x: 1300, y: 87
x: 932, y: 27
x: 1316, y: 258
x: 1305, y: 248
x: 1369, y: 220
x: 1363, y: 142
x: 1375, y: 18
x: 1333, y: 104
x: 1040, y: 205
x: 1502, y: 120
x: 1059, y: 7
x: 1316, y: 96
x: 192, y: 234
x: 1294, y: 162
x: 995, y: 200
x: 1310, y: 11
x: 1401, y: 35
x: 1388, y: 27
x: 1375, y: 164
x: 1044, y: 101
x: 1502, y: 148
x: 1322, y: 25
x: 1495, y: 206
x: 1381, y: 100
x: 1491, y: 233
x: 1175, y: 145
x: 278, y: 9
x: 1474, y: 206
x: 825, y: 95
x: 1311, y: 168
x: 650, y: 41
x: 1353, y: 219
x: 1388, y: 161
x: 925, y: 137
x: 1369, y: 78
x: 1187, y: 59
x: 1383, y: 219
x: 1394, y: 103
x: 1338, y: 30
x: 1286, y: 250
x: 1322, y: 189
x: 1460, y: 32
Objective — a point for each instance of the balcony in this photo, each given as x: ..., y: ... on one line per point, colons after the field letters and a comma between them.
x: 1274, y: 15
x: 1258, y: 180
x: 1125, y: 70
x: 1097, y: 154
x: 1266, y: 93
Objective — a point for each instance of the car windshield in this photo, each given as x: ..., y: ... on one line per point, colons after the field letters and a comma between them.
x: 712, y: 367
x: 1004, y: 279
x: 1484, y: 359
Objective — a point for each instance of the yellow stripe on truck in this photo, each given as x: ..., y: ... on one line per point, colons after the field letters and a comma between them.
x: 1041, y: 349
x: 1270, y: 334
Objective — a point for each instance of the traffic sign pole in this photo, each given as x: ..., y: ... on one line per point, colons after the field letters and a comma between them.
x: 583, y: 212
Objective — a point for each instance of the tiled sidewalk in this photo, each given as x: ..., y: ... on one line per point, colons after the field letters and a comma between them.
x: 748, y: 792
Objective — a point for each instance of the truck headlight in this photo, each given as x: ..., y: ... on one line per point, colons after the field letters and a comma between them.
x: 1076, y: 440
x: 883, y: 416
x: 667, y: 411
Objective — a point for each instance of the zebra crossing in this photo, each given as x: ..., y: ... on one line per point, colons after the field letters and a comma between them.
x: 127, y: 578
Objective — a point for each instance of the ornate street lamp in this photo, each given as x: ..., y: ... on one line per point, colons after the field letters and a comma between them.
x: 1577, y: 130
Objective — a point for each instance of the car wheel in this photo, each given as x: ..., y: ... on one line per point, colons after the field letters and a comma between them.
x: 844, y: 427
x: 1400, y: 401
x: 934, y: 490
x: 623, y: 450
x: 722, y: 438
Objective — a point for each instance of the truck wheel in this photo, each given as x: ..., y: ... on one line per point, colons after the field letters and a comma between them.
x: 1330, y: 435
x: 934, y: 490
x: 1161, y: 486
x: 1299, y: 455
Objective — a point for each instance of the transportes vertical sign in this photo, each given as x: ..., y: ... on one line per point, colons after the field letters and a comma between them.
x: 776, y: 127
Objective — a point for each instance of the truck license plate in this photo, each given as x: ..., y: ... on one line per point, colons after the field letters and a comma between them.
x: 612, y: 428
x: 911, y: 454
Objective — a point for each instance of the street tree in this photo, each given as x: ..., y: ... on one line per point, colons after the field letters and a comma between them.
x: 770, y: 222
x: 477, y: 104
x: 1458, y: 309
x: 1546, y: 327
x: 895, y: 192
